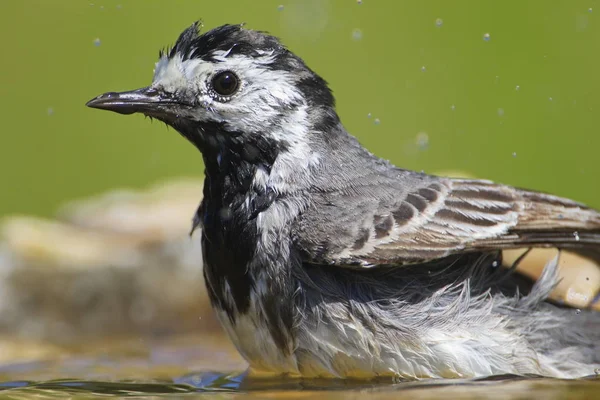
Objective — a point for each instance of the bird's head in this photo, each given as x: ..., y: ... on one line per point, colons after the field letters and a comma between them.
x: 232, y: 89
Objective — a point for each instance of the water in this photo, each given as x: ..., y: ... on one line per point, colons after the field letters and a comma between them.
x: 198, y: 366
x: 357, y: 34
x: 237, y: 385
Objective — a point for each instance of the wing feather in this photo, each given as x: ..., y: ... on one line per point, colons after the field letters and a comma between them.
x: 448, y: 216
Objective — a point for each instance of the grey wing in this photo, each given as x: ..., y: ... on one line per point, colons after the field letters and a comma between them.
x: 439, y: 217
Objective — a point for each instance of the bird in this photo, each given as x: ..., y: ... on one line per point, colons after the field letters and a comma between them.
x: 322, y: 260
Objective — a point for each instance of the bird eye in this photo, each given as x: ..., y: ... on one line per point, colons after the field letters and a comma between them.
x: 225, y: 83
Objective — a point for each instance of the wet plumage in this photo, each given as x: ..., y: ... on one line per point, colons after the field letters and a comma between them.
x: 322, y: 259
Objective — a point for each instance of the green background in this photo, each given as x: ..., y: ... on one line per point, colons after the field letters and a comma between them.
x: 52, y: 148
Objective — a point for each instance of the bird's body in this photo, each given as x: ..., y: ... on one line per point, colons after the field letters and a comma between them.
x: 322, y: 260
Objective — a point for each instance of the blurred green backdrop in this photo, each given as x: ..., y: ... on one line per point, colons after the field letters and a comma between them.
x: 520, y: 108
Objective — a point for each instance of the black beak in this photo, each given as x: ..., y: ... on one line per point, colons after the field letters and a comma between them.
x: 146, y: 100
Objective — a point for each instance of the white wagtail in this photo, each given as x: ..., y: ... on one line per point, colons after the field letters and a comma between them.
x: 323, y: 260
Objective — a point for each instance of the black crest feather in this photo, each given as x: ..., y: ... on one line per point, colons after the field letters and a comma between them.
x: 233, y: 39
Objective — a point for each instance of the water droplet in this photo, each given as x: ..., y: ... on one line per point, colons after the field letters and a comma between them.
x: 423, y: 68
x: 119, y: 6
x: 358, y: 1
x: 280, y: 7
x: 495, y: 264
x: 50, y: 111
x: 369, y: 115
x: 439, y: 22
x: 590, y: 9
x: 550, y: 98
x: 514, y: 154
x: 357, y: 34
x: 501, y: 112
x: 578, y: 311
x: 422, y: 140
x: 453, y: 107
x: 486, y: 37
x: 97, y: 42
x: 102, y: 7
x: 517, y: 87
x: 377, y: 121
x: 576, y: 236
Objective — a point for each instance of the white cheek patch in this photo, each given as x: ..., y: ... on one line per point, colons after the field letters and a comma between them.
x: 271, y: 85
x: 174, y: 75
x: 262, y: 94
x: 168, y: 74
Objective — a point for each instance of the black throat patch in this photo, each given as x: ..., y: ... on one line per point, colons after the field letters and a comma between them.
x: 229, y: 209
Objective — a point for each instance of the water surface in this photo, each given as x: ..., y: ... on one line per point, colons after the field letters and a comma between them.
x: 195, y: 366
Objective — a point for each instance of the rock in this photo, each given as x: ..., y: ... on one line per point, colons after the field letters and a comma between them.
x: 579, y: 277
x: 120, y: 263
x: 160, y: 214
x: 26, y: 350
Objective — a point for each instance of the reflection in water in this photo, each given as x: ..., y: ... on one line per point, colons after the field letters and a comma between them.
x: 159, y: 368
x: 234, y: 385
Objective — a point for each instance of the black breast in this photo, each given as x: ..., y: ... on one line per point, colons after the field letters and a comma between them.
x: 230, y: 233
x: 228, y: 245
x: 228, y: 216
